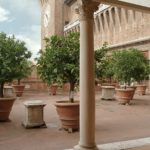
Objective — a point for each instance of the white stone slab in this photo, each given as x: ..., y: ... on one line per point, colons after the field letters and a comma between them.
x: 143, y: 5
x: 34, y: 102
x: 124, y: 144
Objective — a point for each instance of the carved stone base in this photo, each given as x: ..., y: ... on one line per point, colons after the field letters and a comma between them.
x: 108, y: 93
x: 78, y: 147
x: 8, y: 91
x: 33, y: 114
x: 33, y: 125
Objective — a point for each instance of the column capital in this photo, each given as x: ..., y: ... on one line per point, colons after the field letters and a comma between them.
x: 86, y: 8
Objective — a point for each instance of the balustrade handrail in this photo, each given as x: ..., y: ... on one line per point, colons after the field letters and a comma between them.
x: 76, y: 22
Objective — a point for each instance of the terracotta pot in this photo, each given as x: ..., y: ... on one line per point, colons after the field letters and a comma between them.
x: 68, y: 114
x: 124, y: 95
x: 5, y: 108
x: 132, y: 87
x: 141, y: 89
x: 19, y: 89
x: 53, y: 89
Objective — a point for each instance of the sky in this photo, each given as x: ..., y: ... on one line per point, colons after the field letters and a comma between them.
x: 22, y: 18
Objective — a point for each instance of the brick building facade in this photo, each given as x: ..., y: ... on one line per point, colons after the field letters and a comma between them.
x: 119, y: 27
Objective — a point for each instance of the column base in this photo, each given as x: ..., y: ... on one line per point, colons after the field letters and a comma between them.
x: 78, y: 147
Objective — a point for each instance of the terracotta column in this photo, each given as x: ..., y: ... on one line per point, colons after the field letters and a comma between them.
x: 87, y: 76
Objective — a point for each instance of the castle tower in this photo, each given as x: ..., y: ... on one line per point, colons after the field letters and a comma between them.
x: 51, y: 18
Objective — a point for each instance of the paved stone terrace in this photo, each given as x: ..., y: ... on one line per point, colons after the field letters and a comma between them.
x: 113, y: 123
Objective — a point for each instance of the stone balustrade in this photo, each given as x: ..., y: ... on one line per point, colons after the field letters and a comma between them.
x: 116, y: 25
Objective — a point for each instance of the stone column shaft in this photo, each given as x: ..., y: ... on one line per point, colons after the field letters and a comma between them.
x: 96, y: 25
x: 87, y: 83
x: 101, y: 24
x: 106, y: 22
x: 149, y: 75
x: 87, y: 78
x: 101, y: 28
x: 112, y: 23
x: 117, y: 18
x: 123, y: 16
x: 130, y: 16
x: 138, y: 16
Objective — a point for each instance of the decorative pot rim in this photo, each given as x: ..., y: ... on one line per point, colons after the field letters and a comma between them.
x: 67, y: 103
x: 54, y: 84
x: 15, y: 85
x: 127, y: 89
x: 7, y: 98
x: 108, y: 87
x: 141, y: 85
x: 131, y: 86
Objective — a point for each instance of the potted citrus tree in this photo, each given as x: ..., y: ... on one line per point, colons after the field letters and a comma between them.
x: 24, y: 69
x: 12, y: 52
x: 108, y: 89
x: 103, y: 70
x: 108, y: 71
x: 59, y: 63
x: 100, y: 61
x: 127, y: 66
x: 141, y: 86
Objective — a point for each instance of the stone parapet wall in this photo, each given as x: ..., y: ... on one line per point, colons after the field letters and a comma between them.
x: 35, y: 85
x: 116, y: 26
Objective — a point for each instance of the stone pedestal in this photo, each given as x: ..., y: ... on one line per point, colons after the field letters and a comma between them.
x: 34, y: 114
x: 141, y: 89
x: 108, y: 93
x: 8, y: 91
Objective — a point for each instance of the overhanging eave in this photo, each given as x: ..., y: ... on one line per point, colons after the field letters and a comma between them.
x: 142, y: 5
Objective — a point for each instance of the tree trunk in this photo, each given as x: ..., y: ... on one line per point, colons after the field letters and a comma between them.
x: 71, y: 93
x: 1, y: 89
x: 110, y: 80
x: 18, y: 81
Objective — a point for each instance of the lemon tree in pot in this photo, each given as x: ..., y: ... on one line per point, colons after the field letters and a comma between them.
x: 12, y: 52
x: 108, y: 72
x: 59, y: 63
x: 128, y: 65
x: 141, y: 86
x: 108, y: 89
x: 24, y: 69
x: 100, y: 61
